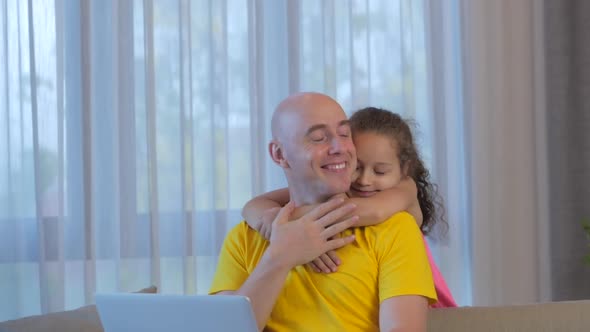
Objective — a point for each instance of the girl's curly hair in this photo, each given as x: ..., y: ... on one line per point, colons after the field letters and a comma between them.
x: 384, y: 122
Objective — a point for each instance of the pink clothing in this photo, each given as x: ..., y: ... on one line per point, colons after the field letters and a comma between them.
x: 445, y: 298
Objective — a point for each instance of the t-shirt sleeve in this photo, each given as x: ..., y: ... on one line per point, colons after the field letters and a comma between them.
x: 231, y: 270
x: 403, y: 264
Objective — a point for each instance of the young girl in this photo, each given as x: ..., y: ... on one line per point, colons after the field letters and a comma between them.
x: 390, y: 178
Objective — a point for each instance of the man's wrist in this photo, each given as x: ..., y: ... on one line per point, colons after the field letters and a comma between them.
x: 275, y: 260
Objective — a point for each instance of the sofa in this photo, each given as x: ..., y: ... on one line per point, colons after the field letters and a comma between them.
x: 553, y: 316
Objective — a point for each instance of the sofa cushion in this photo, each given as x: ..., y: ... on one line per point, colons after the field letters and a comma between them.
x: 84, y: 319
x: 552, y: 316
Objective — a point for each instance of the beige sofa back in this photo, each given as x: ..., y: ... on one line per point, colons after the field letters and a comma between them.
x: 552, y: 316
x: 84, y: 319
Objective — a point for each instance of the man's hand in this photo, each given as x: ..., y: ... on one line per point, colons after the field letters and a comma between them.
x: 300, y: 241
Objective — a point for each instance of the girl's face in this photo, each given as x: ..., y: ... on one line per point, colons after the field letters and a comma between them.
x: 378, y: 166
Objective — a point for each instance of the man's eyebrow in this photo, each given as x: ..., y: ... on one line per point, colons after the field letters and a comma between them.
x: 315, y: 127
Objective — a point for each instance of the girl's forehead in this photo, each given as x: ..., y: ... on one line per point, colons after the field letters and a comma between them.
x: 376, y: 137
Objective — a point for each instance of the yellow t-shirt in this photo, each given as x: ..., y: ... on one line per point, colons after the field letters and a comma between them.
x: 385, y: 260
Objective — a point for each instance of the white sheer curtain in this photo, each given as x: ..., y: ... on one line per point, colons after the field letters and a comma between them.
x: 507, y: 154
x: 132, y: 132
x: 448, y: 139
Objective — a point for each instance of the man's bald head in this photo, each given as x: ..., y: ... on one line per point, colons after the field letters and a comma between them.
x: 295, y: 104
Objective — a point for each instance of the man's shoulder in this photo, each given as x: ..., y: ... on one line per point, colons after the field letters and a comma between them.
x: 244, y: 232
x: 240, y: 227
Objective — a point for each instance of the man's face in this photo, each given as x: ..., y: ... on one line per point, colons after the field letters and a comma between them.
x: 319, y: 151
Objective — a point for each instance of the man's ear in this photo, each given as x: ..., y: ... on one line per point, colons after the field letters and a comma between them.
x: 277, y: 154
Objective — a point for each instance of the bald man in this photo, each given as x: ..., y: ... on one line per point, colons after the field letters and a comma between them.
x: 385, y: 283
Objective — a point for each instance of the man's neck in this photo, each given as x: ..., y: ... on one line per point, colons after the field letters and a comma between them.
x: 302, y: 200
x: 302, y: 207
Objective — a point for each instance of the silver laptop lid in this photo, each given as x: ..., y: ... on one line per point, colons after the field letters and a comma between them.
x: 121, y: 312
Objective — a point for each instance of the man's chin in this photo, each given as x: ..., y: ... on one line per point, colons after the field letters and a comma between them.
x: 338, y: 188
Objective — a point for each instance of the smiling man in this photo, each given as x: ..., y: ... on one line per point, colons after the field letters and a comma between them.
x: 385, y: 282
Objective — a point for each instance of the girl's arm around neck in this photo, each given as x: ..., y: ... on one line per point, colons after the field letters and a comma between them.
x: 261, y: 210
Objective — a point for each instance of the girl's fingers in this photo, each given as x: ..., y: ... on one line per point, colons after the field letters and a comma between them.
x: 321, y: 265
x: 314, y: 267
x: 334, y: 257
x: 327, y: 260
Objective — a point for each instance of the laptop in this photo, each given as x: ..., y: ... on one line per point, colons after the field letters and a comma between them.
x: 123, y: 312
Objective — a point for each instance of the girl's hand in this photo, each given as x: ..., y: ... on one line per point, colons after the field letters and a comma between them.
x: 326, y: 263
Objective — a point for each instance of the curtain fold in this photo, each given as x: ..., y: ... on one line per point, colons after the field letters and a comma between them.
x: 132, y: 132
x: 500, y: 71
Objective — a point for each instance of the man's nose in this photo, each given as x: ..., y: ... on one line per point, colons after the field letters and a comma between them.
x: 336, y: 145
